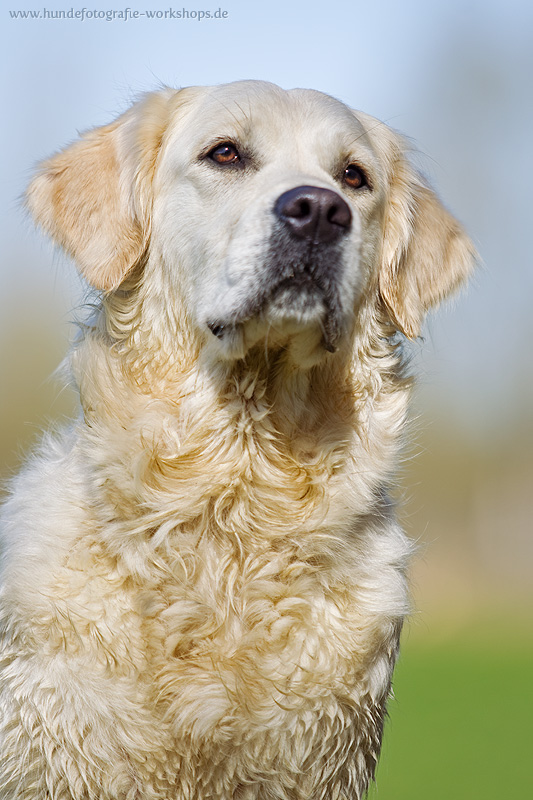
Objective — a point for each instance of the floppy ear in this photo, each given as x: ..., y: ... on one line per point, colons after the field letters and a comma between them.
x: 94, y: 197
x: 426, y: 254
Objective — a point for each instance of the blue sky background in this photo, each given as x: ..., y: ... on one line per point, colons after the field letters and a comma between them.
x: 454, y: 76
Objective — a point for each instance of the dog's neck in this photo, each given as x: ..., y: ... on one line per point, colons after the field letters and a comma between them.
x: 264, y: 448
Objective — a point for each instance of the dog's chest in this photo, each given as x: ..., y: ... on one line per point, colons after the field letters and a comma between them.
x: 267, y: 657
x: 265, y: 637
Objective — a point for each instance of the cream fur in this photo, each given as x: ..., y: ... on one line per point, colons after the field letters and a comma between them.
x: 203, y: 583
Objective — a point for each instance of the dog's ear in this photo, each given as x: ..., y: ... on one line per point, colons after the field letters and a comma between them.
x: 94, y: 197
x: 426, y: 254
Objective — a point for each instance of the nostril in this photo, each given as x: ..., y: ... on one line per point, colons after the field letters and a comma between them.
x: 305, y: 209
x: 298, y: 208
x: 331, y: 212
x: 339, y: 215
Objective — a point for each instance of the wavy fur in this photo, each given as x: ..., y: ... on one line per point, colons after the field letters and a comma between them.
x: 203, y: 583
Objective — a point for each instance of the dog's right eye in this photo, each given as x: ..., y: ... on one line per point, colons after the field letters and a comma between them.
x: 225, y: 153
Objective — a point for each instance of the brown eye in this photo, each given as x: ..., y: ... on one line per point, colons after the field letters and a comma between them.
x: 225, y: 153
x: 355, y: 177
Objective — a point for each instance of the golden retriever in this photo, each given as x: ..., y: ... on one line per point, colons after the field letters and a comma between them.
x: 203, y: 582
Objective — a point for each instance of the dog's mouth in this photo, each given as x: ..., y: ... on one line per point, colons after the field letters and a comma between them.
x: 290, y: 304
x: 300, y: 290
x: 303, y: 299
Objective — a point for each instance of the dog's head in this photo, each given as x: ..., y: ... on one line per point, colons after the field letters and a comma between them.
x: 271, y: 214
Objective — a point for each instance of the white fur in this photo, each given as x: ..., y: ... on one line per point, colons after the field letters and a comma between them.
x: 203, y: 583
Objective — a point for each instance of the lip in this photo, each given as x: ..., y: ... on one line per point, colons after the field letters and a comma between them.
x: 301, y: 284
x: 295, y: 303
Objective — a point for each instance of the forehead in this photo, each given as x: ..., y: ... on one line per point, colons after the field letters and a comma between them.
x: 263, y: 112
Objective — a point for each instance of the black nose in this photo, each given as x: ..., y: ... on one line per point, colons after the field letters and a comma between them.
x: 314, y: 213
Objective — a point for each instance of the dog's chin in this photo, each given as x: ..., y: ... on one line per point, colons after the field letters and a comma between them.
x: 295, y: 319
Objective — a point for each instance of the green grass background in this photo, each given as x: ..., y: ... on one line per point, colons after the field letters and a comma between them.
x: 461, y: 723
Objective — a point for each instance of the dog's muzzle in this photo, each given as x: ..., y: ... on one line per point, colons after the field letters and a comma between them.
x: 306, y: 257
x: 304, y: 264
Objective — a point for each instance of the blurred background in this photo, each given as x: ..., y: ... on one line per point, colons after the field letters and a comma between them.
x: 456, y: 77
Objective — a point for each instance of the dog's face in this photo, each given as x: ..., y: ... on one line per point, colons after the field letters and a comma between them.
x: 268, y: 207
x: 271, y: 213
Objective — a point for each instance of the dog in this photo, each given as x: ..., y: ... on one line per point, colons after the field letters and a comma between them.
x: 203, y: 581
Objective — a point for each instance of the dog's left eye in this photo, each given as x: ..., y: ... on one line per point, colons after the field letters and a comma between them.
x: 355, y: 177
x: 225, y: 153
